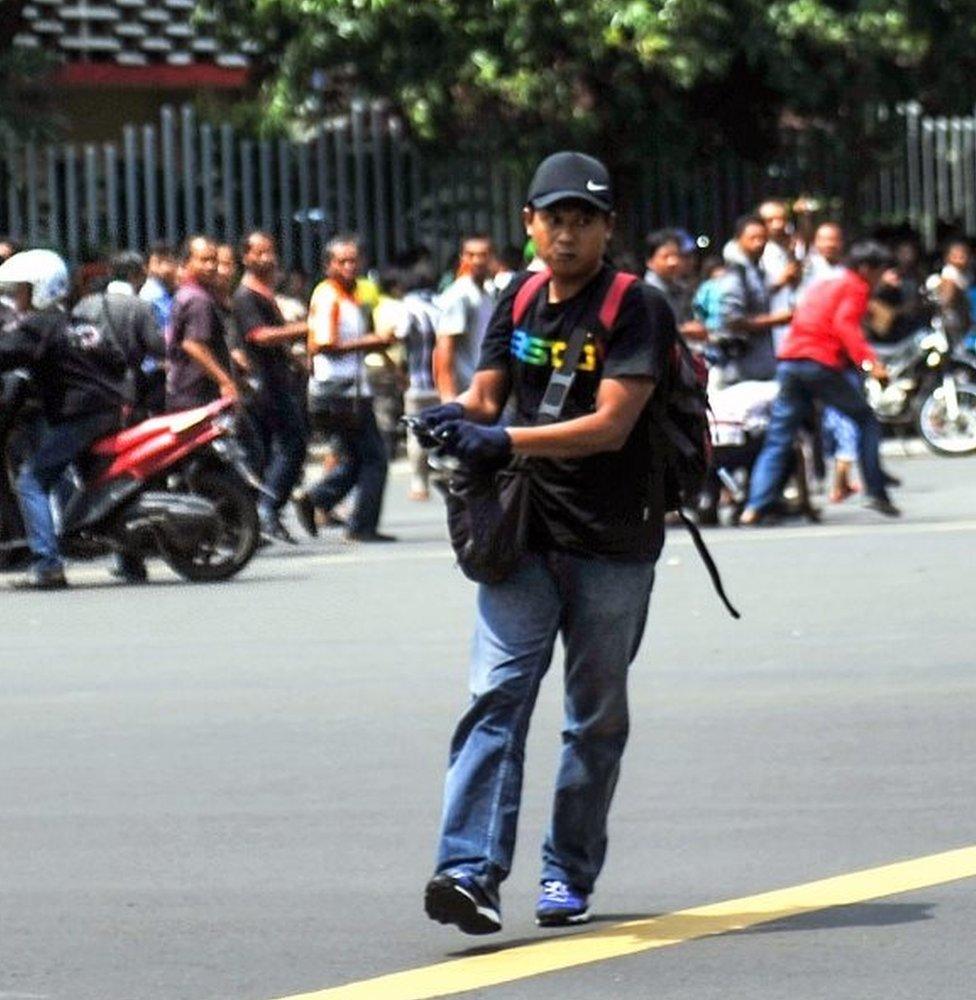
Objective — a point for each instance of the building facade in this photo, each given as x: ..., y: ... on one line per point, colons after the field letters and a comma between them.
x: 121, y: 60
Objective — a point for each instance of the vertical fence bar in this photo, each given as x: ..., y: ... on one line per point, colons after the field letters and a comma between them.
x: 247, y: 185
x: 170, y: 177
x: 131, y: 166
x: 265, y: 154
x: 187, y: 143
x: 968, y: 175
x: 438, y: 213
x: 33, y: 179
x: 397, y: 185
x: 377, y: 129
x: 14, y: 221
x: 54, y: 231
x: 228, y: 188
x: 150, y: 182
x: 416, y: 197
x: 304, y: 152
x: 322, y: 184
x: 929, y: 211
x: 942, y: 194
x: 955, y: 168
x: 113, y: 229
x: 342, y: 174
x: 499, y: 227
x: 912, y: 158
x: 92, y: 228
x: 285, y: 204
x: 207, y: 179
x: 359, y: 175
x: 71, y: 217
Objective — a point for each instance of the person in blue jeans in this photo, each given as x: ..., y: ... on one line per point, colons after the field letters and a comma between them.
x: 824, y: 339
x: 79, y: 373
x: 594, y: 535
x: 362, y: 465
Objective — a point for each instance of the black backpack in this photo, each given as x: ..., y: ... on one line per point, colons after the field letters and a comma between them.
x: 681, y: 443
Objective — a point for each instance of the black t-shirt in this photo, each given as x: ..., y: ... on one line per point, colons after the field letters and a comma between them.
x: 77, y: 370
x: 598, y: 505
x: 253, y: 310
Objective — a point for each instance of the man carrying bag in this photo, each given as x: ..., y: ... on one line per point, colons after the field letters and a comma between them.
x: 586, y: 548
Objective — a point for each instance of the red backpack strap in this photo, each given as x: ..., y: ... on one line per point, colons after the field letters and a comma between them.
x: 526, y: 294
x: 613, y: 299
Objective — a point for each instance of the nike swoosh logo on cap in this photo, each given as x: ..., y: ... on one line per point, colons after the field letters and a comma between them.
x: 593, y: 186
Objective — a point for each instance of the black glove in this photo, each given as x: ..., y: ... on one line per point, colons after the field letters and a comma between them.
x: 479, y: 447
x: 433, y: 416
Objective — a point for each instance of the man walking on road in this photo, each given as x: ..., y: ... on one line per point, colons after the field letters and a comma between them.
x: 338, y: 341
x: 594, y: 537
x: 267, y: 338
x: 825, y: 337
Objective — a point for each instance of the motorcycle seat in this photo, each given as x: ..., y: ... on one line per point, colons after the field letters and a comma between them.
x: 173, y: 423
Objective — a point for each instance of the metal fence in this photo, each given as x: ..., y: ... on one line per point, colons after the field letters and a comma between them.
x: 361, y: 173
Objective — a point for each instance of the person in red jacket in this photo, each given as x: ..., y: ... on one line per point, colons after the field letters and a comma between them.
x: 824, y: 339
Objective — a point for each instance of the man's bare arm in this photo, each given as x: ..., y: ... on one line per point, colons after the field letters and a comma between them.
x: 484, y: 399
x: 445, y: 354
x: 204, y: 357
x: 268, y: 336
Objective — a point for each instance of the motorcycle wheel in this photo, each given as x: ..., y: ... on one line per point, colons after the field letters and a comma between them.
x: 945, y: 437
x: 219, y: 558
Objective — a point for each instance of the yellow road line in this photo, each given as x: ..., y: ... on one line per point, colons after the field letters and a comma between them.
x: 632, y: 937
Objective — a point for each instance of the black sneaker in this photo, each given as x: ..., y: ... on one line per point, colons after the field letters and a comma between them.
x: 274, y: 531
x: 369, y: 537
x: 305, y: 511
x: 460, y: 900
x: 129, y: 568
x: 883, y: 506
x: 43, y: 579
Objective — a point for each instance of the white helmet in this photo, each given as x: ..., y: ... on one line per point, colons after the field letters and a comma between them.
x: 44, y: 270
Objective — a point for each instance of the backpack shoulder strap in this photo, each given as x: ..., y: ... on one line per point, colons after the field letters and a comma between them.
x: 526, y: 294
x: 613, y: 298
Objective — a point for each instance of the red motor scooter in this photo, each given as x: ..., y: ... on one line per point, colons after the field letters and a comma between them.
x: 177, y: 486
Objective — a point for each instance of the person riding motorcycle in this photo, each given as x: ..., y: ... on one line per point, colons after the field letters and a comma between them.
x: 79, y: 373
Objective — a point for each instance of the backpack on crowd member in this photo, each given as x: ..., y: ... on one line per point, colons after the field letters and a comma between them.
x: 487, y: 523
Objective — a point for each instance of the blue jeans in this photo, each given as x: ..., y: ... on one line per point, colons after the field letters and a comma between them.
x: 599, y: 607
x: 840, y: 432
x: 800, y: 383
x: 39, y: 475
x: 283, y: 433
x: 363, y: 465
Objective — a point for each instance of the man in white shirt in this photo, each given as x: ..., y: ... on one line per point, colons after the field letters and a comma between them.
x: 339, y: 396
x: 779, y: 262
x: 466, y: 307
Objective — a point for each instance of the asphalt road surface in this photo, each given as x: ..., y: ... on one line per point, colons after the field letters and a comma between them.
x: 232, y: 791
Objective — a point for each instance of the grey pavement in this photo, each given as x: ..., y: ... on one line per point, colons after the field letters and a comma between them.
x: 232, y: 791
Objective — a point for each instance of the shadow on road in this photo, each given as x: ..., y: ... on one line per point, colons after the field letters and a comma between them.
x: 668, y: 928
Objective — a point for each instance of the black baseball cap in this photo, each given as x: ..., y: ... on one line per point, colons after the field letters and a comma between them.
x: 571, y: 175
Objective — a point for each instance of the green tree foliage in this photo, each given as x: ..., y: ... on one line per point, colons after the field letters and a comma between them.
x: 628, y: 77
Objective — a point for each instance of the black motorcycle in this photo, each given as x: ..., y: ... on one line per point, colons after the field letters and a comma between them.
x: 931, y: 390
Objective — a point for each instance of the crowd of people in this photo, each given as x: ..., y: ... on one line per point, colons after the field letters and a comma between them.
x: 343, y: 358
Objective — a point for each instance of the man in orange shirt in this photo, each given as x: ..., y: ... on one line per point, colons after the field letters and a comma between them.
x: 339, y: 392
x: 824, y: 338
